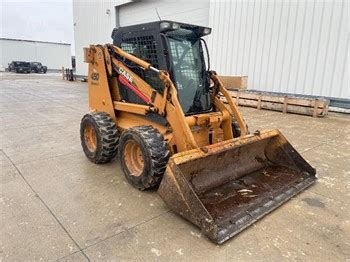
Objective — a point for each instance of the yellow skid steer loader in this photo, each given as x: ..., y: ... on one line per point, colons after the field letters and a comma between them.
x: 155, y: 103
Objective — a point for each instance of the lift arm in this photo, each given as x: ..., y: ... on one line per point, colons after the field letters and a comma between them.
x: 105, y: 60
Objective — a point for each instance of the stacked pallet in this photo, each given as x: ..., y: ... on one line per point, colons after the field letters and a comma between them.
x: 286, y: 104
x: 234, y: 82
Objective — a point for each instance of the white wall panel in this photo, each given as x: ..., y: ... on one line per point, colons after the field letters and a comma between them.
x: 53, y: 55
x: 283, y: 46
x: 93, y: 25
x: 182, y: 11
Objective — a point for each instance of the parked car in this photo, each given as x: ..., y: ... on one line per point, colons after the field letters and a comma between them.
x: 37, y: 67
x: 19, y: 67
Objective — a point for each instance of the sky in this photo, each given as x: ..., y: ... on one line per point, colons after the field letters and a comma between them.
x: 50, y: 20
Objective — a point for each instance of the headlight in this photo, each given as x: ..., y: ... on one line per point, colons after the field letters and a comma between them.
x: 175, y: 26
x: 206, y: 31
x: 164, y: 25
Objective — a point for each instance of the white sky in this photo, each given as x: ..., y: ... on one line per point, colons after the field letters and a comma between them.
x: 50, y: 20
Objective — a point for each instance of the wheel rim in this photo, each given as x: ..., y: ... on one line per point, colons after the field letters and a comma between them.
x: 133, y: 158
x: 90, y: 138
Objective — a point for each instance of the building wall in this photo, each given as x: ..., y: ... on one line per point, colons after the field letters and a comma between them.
x: 92, y: 25
x: 53, y: 55
x: 143, y: 12
x: 95, y: 20
x: 298, y: 47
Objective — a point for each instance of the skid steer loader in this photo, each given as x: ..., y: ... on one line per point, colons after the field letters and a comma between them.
x: 155, y: 103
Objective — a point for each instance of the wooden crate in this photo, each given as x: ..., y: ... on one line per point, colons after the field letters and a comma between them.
x: 234, y: 82
x: 285, y: 104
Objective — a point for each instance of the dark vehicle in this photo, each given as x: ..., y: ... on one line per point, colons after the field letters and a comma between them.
x: 37, y: 67
x: 19, y: 67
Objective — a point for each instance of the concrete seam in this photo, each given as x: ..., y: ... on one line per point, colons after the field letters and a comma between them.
x: 47, y: 158
x: 323, y: 143
x: 318, y: 194
x: 53, y: 123
x: 25, y: 127
x: 68, y: 255
x: 50, y: 99
x: 308, y: 149
x: 46, y: 206
x: 126, y: 229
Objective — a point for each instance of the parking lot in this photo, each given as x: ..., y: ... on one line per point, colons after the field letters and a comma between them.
x: 56, y: 205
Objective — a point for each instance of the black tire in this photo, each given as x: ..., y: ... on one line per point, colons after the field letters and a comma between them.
x: 155, y: 156
x: 236, y: 130
x: 106, y: 137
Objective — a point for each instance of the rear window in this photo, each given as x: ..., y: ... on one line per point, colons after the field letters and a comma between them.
x: 144, y: 47
x: 22, y: 64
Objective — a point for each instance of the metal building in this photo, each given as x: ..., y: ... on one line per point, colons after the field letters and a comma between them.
x: 295, y: 47
x: 53, y: 55
x: 95, y: 20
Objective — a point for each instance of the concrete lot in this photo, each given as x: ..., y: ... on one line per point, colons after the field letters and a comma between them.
x: 56, y: 205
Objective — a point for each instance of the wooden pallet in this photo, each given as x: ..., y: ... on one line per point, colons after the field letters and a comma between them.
x: 234, y: 82
x: 285, y: 104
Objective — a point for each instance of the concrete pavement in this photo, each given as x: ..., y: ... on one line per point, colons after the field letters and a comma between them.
x: 56, y: 205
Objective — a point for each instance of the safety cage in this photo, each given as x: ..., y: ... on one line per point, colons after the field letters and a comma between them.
x: 144, y: 41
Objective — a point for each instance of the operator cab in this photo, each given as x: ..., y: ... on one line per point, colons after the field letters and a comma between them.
x: 175, y: 47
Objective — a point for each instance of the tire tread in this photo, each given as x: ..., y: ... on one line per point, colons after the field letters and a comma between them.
x: 109, y: 137
x: 159, y: 154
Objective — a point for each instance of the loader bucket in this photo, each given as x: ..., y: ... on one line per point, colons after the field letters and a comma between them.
x: 225, y: 187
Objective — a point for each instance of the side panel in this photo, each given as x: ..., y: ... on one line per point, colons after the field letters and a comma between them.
x: 293, y: 47
x: 99, y: 94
